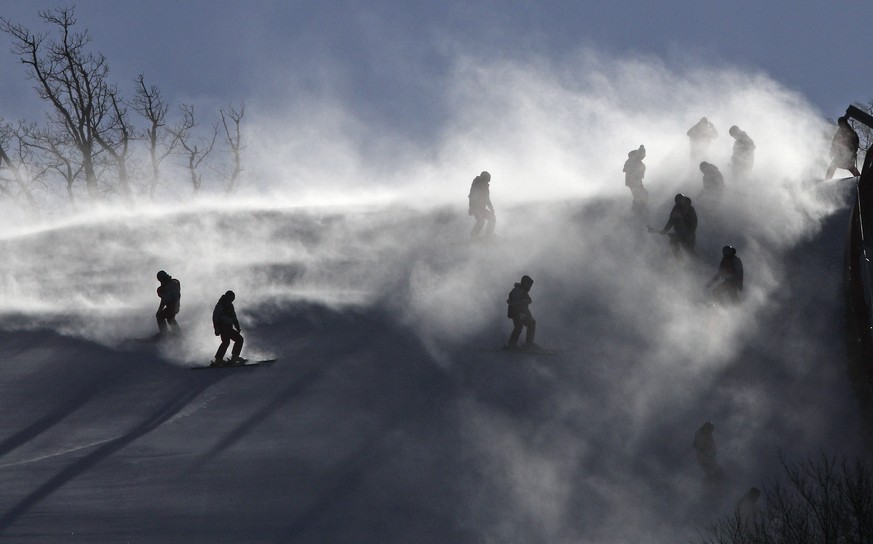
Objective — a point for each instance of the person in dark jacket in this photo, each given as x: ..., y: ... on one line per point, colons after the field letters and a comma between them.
x: 706, y: 452
x: 844, y: 149
x: 713, y: 182
x: 700, y: 136
x: 227, y: 327
x: 634, y: 172
x: 480, y: 205
x: 730, y: 271
x: 519, y: 312
x: 743, y: 156
x: 683, y: 221
x: 170, y: 293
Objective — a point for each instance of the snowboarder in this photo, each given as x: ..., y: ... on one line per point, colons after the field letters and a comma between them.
x: 170, y: 293
x: 683, y: 221
x: 713, y: 182
x: 634, y: 172
x: 519, y: 312
x: 480, y: 205
x: 705, y: 450
x: 730, y: 271
x: 747, y: 509
x: 700, y: 136
x: 227, y: 327
x: 743, y: 156
x: 844, y: 149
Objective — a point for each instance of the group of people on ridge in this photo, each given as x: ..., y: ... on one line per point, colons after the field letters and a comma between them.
x: 224, y: 320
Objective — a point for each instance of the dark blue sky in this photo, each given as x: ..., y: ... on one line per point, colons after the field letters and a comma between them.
x: 388, y: 60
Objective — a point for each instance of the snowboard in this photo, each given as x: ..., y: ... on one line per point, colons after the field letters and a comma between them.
x: 521, y: 351
x: 248, y: 363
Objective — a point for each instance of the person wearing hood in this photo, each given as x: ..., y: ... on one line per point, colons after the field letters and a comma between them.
x: 743, y: 156
x: 730, y: 272
x: 226, y: 326
x: 683, y: 221
x: 519, y: 302
x: 699, y: 137
x: 170, y: 293
x: 713, y: 182
x: 480, y: 205
x: 634, y: 172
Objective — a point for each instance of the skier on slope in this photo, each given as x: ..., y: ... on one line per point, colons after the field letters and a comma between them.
x: 634, y: 172
x: 519, y: 312
x: 743, y: 156
x: 480, y: 205
x: 170, y: 293
x: 713, y: 182
x: 730, y: 271
x: 226, y: 326
x: 844, y: 149
x: 706, y: 452
x: 683, y: 221
x: 700, y: 136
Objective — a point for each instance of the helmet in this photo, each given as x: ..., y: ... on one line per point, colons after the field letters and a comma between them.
x: 230, y: 296
x: 678, y: 198
x: 526, y: 281
x: 485, y: 175
x: 734, y: 130
x: 728, y: 251
x: 163, y: 276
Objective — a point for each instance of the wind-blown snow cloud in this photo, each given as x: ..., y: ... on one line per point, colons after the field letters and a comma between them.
x: 340, y: 213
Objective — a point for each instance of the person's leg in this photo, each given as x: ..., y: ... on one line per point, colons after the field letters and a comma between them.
x: 222, y: 349
x: 162, y: 321
x: 516, y: 332
x: 531, y: 324
x: 492, y: 221
x: 237, y: 344
x: 480, y: 222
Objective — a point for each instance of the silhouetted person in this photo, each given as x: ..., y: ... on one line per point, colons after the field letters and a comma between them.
x: 730, y: 272
x: 844, y: 149
x: 519, y: 312
x: 743, y: 156
x: 700, y: 136
x: 480, y: 205
x: 747, y: 507
x: 227, y: 327
x: 705, y: 450
x: 713, y: 182
x: 634, y: 172
x: 170, y: 293
x: 683, y: 221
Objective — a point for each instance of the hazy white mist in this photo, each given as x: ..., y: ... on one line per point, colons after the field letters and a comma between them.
x: 343, y: 214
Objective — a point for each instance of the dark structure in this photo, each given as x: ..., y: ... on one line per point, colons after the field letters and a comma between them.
x: 858, y: 271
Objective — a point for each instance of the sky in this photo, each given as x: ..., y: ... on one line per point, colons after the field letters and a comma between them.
x: 376, y: 309
x: 389, y: 61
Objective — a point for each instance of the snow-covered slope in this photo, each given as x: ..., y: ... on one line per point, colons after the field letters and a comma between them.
x: 381, y: 421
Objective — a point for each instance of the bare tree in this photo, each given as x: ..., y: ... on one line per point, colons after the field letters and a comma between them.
x: 73, y: 80
x: 56, y: 154
x: 114, y: 138
x: 161, y: 140
x: 195, y: 151
x: 231, y: 120
x: 822, y: 501
x: 10, y: 173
